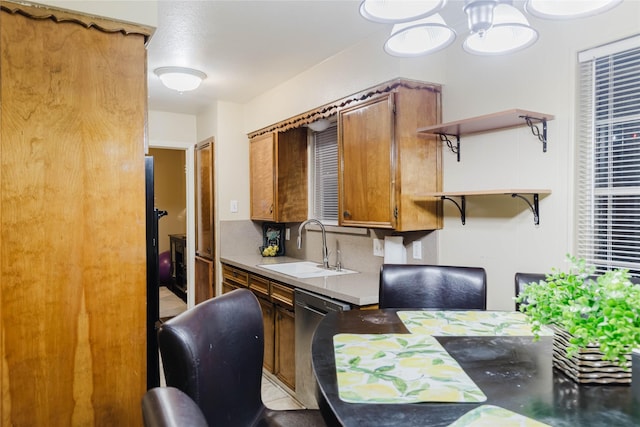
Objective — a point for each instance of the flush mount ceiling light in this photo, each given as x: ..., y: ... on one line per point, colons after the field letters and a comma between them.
x: 420, y: 37
x: 495, y: 26
x: 568, y: 9
x: 180, y: 78
x: 509, y: 32
x: 396, y: 11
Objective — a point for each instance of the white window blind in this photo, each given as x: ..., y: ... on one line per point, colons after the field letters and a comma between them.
x: 608, y: 158
x: 325, y: 175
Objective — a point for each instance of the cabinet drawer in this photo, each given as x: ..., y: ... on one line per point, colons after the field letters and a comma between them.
x: 228, y: 287
x: 235, y: 276
x: 282, y: 294
x: 259, y: 285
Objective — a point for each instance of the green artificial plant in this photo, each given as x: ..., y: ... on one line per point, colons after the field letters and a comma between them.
x: 603, y: 310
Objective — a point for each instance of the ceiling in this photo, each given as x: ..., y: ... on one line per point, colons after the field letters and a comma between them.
x: 247, y: 47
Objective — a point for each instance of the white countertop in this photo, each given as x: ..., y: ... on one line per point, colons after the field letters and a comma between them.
x: 358, y: 289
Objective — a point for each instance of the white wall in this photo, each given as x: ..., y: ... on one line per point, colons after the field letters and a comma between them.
x: 500, y: 235
x: 143, y: 12
x: 171, y: 130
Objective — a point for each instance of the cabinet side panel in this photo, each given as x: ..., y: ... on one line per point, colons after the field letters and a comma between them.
x: 292, y: 189
x: 419, y: 161
x: 73, y: 224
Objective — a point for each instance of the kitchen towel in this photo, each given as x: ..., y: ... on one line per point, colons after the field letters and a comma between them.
x: 394, y: 251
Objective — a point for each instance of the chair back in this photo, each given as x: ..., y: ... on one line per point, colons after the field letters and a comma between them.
x: 523, y: 279
x: 432, y: 286
x: 213, y: 353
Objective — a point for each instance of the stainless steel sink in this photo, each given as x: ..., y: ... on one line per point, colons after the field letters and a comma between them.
x: 305, y: 269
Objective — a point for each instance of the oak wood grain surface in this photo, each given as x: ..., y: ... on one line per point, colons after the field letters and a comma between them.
x: 72, y: 221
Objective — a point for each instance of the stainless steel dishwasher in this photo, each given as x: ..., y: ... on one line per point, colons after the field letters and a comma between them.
x: 310, y: 308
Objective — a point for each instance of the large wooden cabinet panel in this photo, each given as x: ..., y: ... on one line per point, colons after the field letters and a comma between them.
x: 383, y: 162
x: 72, y: 219
x: 278, y: 169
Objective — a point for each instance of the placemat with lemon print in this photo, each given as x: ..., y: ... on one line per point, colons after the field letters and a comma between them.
x: 495, y: 416
x: 399, y: 368
x: 469, y: 323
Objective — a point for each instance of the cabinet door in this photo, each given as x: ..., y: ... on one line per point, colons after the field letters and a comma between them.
x: 204, y: 279
x: 268, y: 318
x: 204, y: 199
x: 291, y: 193
x: 261, y: 160
x: 367, y: 156
x: 285, y: 357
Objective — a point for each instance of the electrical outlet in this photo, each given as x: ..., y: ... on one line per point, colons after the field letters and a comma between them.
x: 378, y: 247
x: 417, y: 250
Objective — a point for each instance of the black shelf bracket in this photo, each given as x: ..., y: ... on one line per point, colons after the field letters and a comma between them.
x: 535, y: 131
x: 535, y: 207
x: 462, y: 206
x: 444, y: 137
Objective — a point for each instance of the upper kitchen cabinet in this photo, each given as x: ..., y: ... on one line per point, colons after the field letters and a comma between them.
x: 383, y: 162
x: 204, y: 199
x: 278, y: 163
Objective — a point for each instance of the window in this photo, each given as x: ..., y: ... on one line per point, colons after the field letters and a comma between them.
x: 608, y: 157
x: 325, y: 175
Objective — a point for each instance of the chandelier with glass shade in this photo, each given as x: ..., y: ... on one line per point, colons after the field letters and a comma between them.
x: 495, y: 26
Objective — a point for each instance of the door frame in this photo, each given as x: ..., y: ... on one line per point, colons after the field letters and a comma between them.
x: 189, y: 149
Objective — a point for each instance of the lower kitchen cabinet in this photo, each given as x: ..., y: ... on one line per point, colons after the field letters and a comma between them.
x: 276, y: 302
x: 285, y: 351
x: 285, y: 337
x: 268, y: 318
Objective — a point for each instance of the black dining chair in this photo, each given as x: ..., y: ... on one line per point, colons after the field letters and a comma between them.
x: 170, y: 407
x: 523, y: 279
x: 433, y: 287
x: 214, y: 352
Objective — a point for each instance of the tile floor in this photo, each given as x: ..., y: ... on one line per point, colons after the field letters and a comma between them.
x: 273, y: 395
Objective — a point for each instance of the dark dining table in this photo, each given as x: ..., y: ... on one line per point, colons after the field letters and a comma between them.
x: 514, y: 372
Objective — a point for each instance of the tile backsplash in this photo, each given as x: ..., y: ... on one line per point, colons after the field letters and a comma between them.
x: 355, y: 244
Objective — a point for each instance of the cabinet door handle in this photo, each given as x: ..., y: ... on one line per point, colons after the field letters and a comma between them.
x: 346, y: 214
x: 271, y: 209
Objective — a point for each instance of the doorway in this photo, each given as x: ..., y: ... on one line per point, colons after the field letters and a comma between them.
x: 174, y: 192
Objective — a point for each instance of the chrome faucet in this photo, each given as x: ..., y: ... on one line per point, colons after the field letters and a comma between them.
x: 325, y: 252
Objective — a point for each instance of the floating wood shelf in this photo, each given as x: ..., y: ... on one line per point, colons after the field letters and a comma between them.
x: 519, y: 193
x: 490, y: 122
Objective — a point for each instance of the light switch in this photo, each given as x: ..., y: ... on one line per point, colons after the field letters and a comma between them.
x: 378, y: 247
x: 417, y: 250
x: 234, y: 206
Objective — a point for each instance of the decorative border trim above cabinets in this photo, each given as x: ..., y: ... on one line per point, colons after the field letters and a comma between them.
x: 106, y: 25
x: 332, y: 108
x: 495, y: 121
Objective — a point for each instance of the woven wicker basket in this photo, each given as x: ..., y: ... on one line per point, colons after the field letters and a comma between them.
x: 587, y: 366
